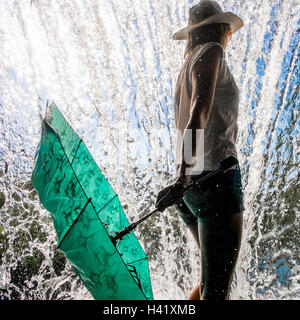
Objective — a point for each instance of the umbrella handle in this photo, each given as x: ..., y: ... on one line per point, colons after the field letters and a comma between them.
x: 120, y: 234
x: 225, y: 165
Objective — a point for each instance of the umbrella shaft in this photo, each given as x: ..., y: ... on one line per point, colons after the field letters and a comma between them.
x: 127, y: 230
x: 144, y: 218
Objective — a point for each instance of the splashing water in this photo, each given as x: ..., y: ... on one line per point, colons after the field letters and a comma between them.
x: 111, y: 67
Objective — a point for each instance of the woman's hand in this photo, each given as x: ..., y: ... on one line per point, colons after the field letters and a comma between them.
x: 170, y: 195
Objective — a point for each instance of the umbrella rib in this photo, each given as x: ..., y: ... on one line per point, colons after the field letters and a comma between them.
x: 63, y: 238
x: 76, y: 151
x: 131, y: 262
x: 107, y: 203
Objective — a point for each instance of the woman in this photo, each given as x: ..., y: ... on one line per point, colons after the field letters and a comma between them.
x: 206, y: 103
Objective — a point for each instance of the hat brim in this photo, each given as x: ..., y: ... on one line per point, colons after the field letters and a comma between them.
x: 232, y: 19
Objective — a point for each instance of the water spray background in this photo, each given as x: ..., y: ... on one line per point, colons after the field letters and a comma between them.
x: 111, y: 67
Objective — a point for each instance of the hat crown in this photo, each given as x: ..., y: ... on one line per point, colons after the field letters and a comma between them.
x: 203, y: 10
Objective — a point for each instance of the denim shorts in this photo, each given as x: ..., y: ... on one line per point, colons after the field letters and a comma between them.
x: 218, y: 196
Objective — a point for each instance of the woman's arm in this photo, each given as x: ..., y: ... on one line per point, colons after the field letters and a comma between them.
x: 204, y: 79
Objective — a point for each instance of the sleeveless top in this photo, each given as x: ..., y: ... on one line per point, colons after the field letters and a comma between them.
x: 221, y: 129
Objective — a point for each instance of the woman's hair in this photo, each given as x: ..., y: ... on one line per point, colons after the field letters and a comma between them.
x: 210, y: 33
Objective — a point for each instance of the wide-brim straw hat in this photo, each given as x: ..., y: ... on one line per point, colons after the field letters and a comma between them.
x: 208, y: 12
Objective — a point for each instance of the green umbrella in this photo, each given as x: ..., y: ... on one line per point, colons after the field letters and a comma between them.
x: 86, y: 213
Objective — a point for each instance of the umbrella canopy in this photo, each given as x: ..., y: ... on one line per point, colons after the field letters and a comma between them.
x: 86, y: 212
